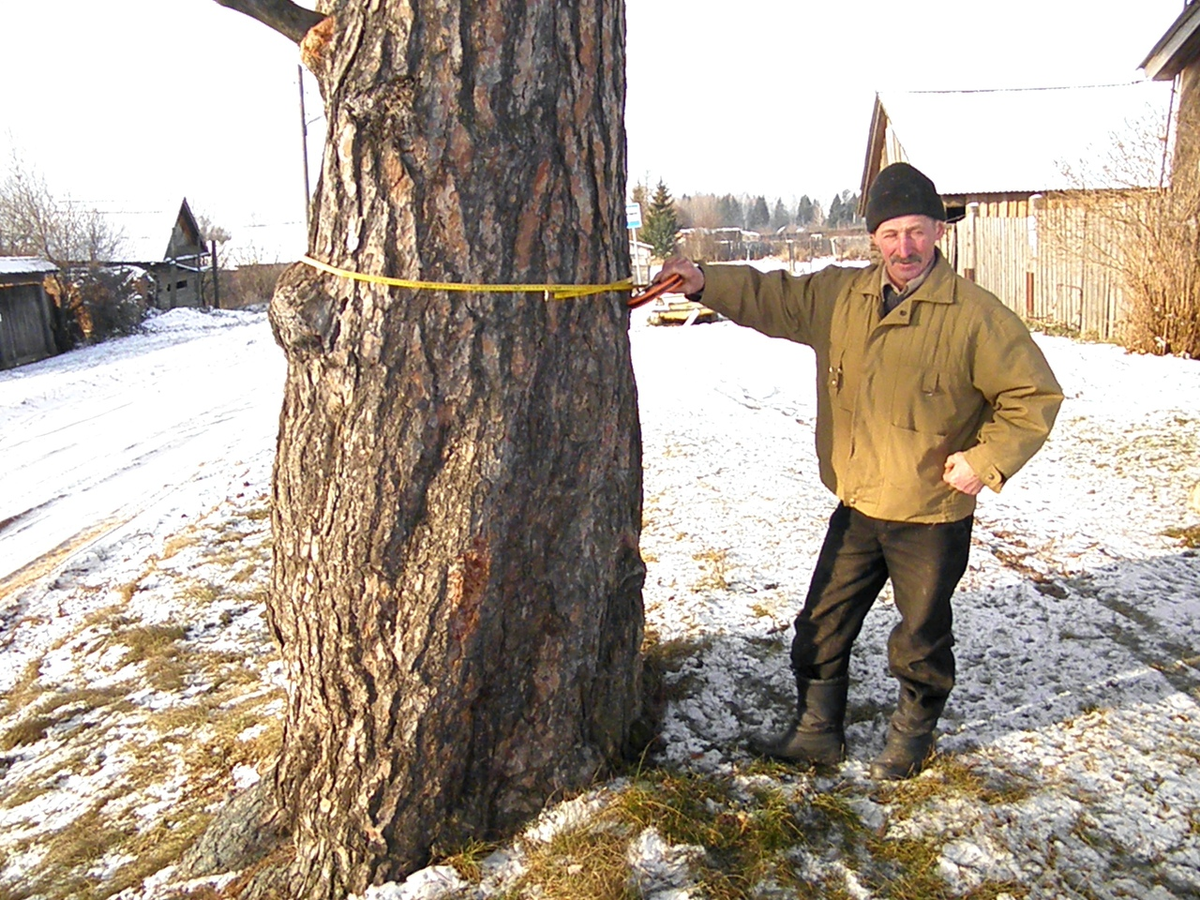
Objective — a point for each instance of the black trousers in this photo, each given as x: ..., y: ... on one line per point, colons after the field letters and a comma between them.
x: 925, y: 563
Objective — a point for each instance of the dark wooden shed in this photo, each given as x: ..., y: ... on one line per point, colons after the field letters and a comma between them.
x: 178, y: 274
x: 168, y: 244
x: 26, y: 314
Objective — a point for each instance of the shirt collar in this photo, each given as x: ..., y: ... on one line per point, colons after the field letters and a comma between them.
x: 886, y: 282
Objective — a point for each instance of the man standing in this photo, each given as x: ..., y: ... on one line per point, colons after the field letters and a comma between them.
x: 928, y: 389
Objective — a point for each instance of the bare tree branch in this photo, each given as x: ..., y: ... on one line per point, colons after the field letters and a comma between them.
x: 286, y: 17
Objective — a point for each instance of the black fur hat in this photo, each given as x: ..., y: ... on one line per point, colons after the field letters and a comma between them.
x: 902, y: 190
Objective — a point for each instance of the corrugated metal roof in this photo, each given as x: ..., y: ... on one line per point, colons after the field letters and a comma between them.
x: 25, y: 265
x: 975, y: 142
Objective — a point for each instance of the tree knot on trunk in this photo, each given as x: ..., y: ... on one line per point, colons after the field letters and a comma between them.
x: 304, y: 317
x: 385, y: 111
x: 314, y: 46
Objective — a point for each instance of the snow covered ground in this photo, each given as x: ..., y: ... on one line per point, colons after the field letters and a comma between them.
x: 141, y: 687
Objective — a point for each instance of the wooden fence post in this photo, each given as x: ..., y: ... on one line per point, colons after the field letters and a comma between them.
x: 1035, y: 203
x: 969, y: 258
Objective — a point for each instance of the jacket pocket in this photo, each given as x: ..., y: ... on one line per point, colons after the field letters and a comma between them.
x: 837, y: 381
x: 922, y: 401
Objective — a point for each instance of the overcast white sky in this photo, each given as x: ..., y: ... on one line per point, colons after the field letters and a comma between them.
x: 140, y: 102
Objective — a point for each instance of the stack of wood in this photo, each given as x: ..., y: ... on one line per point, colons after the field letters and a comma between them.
x: 682, y: 312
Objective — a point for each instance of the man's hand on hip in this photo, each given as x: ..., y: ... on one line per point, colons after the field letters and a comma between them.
x: 960, y: 476
x: 693, y: 277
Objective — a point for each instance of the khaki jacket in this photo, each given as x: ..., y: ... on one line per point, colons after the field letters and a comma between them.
x: 951, y: 368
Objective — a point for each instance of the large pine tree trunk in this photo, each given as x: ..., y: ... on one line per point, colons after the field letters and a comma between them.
x: 457, y: 583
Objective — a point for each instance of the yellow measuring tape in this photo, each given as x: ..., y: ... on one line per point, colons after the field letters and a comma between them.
x: 557, y: 291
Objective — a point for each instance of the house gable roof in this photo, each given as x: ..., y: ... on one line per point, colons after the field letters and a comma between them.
x: 1007, y: 141
x: 149, y: 235
x: 1176, y: 48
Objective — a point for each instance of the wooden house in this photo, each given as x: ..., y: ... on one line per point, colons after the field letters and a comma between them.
x: 170, y: 247
x: 1176, y: 58
x: 1018, y: 171
x: 26, y: 313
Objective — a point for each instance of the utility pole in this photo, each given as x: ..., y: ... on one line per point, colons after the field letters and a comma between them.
x: 216, y: 275
x: 304, y: 145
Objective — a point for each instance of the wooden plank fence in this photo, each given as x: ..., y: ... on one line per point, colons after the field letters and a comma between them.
x: 1048, y: 267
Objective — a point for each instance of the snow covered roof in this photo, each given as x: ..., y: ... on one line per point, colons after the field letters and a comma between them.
x: 147, y: 233
x: 25, y: 265
x: 1008, y: 141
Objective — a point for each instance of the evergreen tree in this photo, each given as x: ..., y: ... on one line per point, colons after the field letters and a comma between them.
x: 729, y: 210
x: 780, y: 218
x: 661, y: 223
x: 851, y: 207
x: 834, y: 219
x: 759, y: 216
x: 843, y: 210
x: 683, y: 212
x: 818, y: 215
x: 805, y: 211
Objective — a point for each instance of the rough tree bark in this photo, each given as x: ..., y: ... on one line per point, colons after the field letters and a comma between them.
x: 457, y: 490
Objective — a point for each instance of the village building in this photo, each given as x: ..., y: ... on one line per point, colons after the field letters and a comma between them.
x: 1021, y: 173
x: 170, y: 247
x: 26, y: 312
x: 1176, y: 59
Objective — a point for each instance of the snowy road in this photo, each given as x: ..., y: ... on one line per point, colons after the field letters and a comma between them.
x: 91, y: 441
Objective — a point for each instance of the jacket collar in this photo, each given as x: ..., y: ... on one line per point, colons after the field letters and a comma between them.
x: 938, y: 286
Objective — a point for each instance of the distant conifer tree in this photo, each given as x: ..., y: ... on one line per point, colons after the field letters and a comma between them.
x: 780, y: 218
x: 662, y: 223
x: 834, y: 218
x: 759, y: 216
x: 805, y: 211
x: 851, y: 208
x: 729, y: 210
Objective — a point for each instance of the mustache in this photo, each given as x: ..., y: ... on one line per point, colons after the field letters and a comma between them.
x: 905, y: 260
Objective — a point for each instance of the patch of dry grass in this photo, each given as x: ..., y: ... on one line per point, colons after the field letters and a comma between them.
x: 50, y: 708
x: 202, y: 740
x: 260, y: 512
x: 754, y: 833
x: 950, y: 776
x: 585, y: 862
x: 246, y: 573
x: 713, y: 570
x: 130, y: 753
x: 178, y: 542
x: 747, y: 835
x: 1189, y: 536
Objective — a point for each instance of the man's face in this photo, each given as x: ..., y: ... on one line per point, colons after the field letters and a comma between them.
x: 907, y: 244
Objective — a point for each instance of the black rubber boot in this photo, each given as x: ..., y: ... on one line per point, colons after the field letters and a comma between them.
x: 903, y: 756
x: 817, y: 738
x: 910, y: 739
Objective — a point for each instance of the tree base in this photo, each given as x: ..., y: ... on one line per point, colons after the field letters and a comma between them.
x: 248, y: 829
